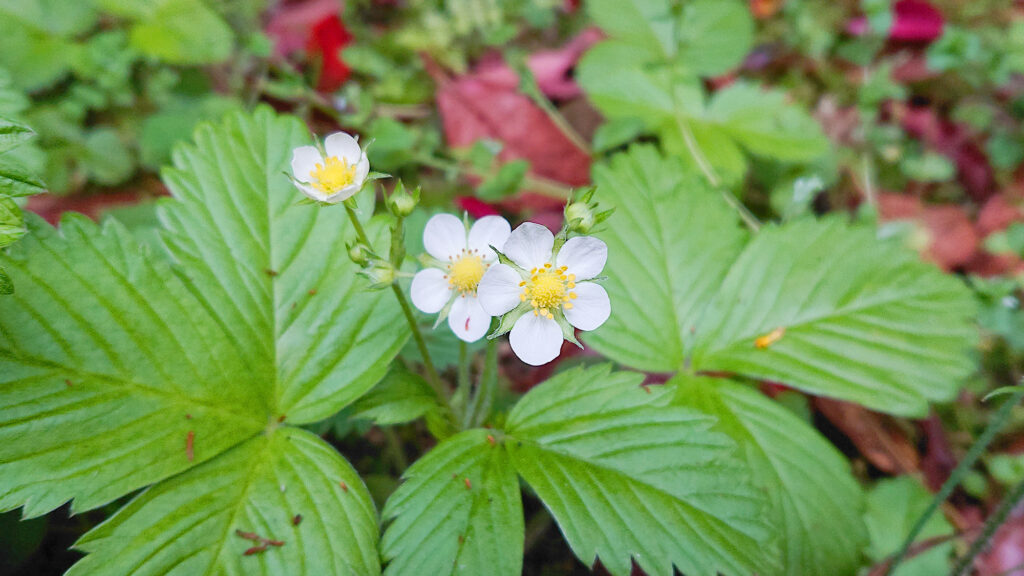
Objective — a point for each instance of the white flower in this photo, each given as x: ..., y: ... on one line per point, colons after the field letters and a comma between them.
x: 336, y: 174
x: 462, y: 258
x: 555, y: 286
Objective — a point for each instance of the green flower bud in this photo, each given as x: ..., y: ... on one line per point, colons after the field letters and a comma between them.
x: 401, y: 203
x: 579, y: 217
x: 359, y: 254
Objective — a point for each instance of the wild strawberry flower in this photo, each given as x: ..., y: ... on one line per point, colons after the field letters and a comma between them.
x: 334, y: 174
x: 547, y: 288
x: 461, y: 257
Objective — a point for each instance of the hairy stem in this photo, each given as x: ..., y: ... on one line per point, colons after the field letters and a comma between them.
x: 966, y: 562
x: 961, y: 470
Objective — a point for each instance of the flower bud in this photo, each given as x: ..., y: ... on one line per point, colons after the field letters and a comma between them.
x: 579, y: 217
x: 359, y: 254
x: 401, y: 202
x: 381, y: 274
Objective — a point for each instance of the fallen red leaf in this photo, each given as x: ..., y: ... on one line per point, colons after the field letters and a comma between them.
x: 326, y: 40
x: 486, y: 104
x: 952, y: 240
x: 913, y: 21
x: 876, y: 436
x: 954, y: 141
x: 291, y: 23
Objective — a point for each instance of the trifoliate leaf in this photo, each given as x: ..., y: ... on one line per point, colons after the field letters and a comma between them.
x: 458, y: 512
x: 289, y: 500
x: 107, y: 367
x: 630, y: 479
x: 815, y: 501
x: 648, y: 24
x: 893, y: 507
x: 715, y: 35
x: 670, y: 245
x: 828, y: 308
x: 276, y: 275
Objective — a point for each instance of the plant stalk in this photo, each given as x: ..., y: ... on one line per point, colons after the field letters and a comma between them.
x: 966, y: 562
x: 961, y: 470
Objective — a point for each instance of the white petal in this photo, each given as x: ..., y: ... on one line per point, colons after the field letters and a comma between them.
x: 343, y: 146
x: 311, y: 192
x: 529, y: 245
x: 489, y: 231
x: 430, y: 290
x: 362, y: 169
x: 536, y: 339
x: 444, y: 236
x: 468, y: 320
x: 591, y: 307
x: 499, y: 289
x: 343, y: 194
x: 304, y: 161
x: 585, y: 256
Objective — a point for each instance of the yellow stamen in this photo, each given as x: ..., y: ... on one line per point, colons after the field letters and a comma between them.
x: 466, y: 270
x: 333, y: 175
x: 547, y: 289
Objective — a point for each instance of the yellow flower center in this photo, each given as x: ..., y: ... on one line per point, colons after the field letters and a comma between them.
x: 333, y: 175
x: 547, y: 289
x: 465, y: 271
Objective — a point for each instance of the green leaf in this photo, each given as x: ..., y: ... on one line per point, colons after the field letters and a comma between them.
x: 838, y: 312
x: 16, y: 181
x: 670, y: 244
x: 106, y: 157
x: 715, y: 36
x: 182, y: 32
x: 12, y: 134
x: 190, y: 524
x: 505, y: 182
x: 6, y: 286
x: 765, y: 124
x: 815, y: 501
x: 402, y: 396
x: 617, y: 81
x: 645, y: 23
x: 893, y: 507
x: 12, y: 224
x: 103, y: 348
x: 458, y: 512
x: 34, y: 58
x: 276, y: 275
x: 56, y: 17
x: 617, y: 132
x: 630, y: 479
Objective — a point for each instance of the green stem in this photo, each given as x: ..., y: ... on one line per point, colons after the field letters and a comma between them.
x: 432, y: 376
x: 542, y: 186
x: 395, y: 449
x: 709, y: 172
x: 485, y: 391
x: 958, y: 474
x: 964, y: 564
x: 462, y: 391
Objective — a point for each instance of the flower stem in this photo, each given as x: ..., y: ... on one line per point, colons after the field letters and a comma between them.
x: 480, y: 407
x: 964, y: 564
x: 432, y: 376
x: 712, y: 177
x: 460, y: 400
x: 961, y: 470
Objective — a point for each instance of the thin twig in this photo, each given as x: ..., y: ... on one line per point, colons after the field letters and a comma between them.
x: 997, y: 519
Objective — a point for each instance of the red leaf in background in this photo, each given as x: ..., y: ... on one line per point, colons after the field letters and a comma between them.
x: 476, y: 207
x: 876, y: 436
x: 996, y: 215
x: 916, y: 21
x: 913, y: 21
x: 954, y: 142
x: 314, y: 26
x: 328, y: 37
x: 952, y: 240
x: 291, y: 23
x: 1005, y: 555
x: 487, y: 104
